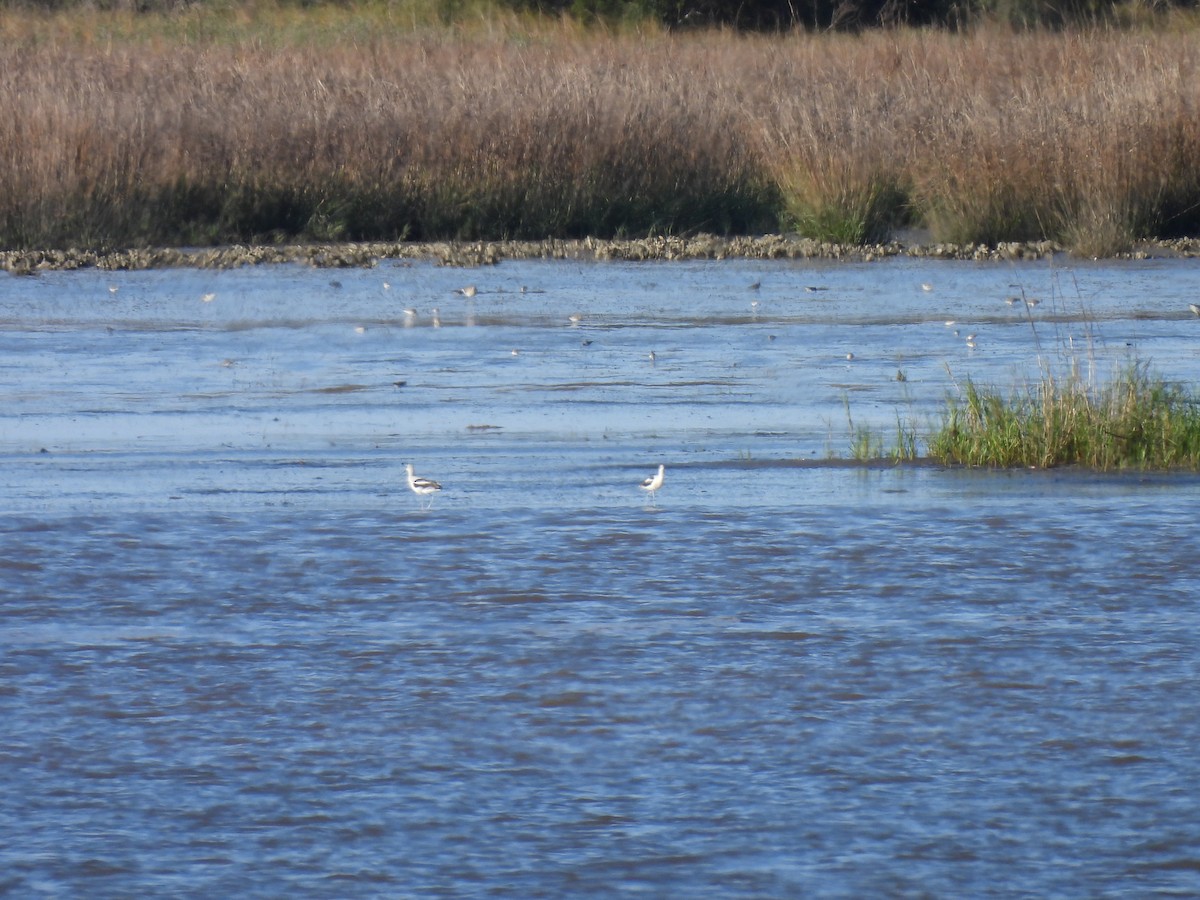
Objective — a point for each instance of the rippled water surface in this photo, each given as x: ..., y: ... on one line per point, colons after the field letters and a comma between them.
x: 237, y: 657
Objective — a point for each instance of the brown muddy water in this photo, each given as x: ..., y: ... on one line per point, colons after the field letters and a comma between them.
x: 238, y: 658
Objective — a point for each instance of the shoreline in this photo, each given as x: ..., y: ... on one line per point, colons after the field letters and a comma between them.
x: 471, y: 254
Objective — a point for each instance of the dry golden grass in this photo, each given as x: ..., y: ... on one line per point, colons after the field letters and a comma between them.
x: 370, y: 122
x: 1088, y: 138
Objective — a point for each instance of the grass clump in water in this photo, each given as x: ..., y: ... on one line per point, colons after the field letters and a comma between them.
x: 1136, y: 421
x: 867, y: 444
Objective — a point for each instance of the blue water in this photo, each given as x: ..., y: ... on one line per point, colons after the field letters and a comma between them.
x: 237, y: 657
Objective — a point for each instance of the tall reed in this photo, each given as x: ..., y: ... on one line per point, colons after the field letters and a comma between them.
x: 834, y: 137
x: 376, y: 121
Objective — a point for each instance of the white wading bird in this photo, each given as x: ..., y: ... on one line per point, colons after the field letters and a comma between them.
x: 653, y: 483
x: 422, y: 487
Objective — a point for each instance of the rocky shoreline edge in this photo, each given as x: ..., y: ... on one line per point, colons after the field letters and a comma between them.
x: 482, y: 253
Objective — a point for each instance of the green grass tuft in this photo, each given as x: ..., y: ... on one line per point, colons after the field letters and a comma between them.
x: 1136, y: 421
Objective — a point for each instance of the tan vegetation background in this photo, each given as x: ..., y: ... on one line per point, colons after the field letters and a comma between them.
x: 272, y: 123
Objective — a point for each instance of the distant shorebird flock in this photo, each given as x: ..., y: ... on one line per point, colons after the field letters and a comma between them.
x: 426, y: 489
x: 575, y: 319
x: 411, y: 315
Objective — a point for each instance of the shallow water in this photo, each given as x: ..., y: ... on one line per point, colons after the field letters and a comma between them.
x: 239, y: 658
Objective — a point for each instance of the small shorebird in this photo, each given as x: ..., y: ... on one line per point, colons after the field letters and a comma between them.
x: 653, y: 483
x: 422, y: 487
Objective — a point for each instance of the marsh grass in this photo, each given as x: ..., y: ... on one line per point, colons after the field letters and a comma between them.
x: 1135, y: 421
x: 906, y: 446
x: 870, y: 444
x: 1069, y: 416
x: 405, y: 138
x: 866, y: 444
x: 420, y: 120
x: 843, y: 207
x: 830, y: 146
